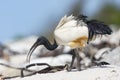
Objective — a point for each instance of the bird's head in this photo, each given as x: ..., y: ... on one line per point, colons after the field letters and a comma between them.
x: 34, y: 46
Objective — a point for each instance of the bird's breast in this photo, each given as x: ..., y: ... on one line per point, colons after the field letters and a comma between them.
x: 72, y: 36
x: 78, y: 43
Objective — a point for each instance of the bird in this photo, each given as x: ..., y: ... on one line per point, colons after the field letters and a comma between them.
x: 75, y: 32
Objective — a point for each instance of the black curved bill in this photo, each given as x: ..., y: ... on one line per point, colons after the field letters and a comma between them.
x: 35, y: 45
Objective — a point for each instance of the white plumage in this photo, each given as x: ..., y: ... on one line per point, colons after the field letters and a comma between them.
x: 75, y: 32
x: 71, y: 32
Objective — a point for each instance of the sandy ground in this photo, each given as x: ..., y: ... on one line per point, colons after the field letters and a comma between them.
x: 96, y: 73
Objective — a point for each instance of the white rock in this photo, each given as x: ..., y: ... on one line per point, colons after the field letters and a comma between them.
x: 113, y: 57
x: 101, y: 52
x: 54, y: 61
x: 23, y: 45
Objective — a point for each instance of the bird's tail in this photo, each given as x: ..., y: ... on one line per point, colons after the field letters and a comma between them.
x: 97, y: 28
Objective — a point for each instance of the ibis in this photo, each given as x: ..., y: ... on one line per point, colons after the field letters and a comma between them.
x: 75, y: 32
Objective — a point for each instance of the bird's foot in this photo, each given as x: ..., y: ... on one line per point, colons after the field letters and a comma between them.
x: 78, y: 65
x: 69, y: 69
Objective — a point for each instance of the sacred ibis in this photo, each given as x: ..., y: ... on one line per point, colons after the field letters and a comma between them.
x: 75, y: 32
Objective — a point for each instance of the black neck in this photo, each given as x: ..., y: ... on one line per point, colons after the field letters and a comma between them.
x: 43, y: 41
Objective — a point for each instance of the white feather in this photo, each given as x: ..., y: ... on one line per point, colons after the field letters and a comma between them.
x: 69, y: 29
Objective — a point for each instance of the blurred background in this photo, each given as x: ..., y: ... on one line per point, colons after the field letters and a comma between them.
x: 22, y: 18
x: 23, y: 21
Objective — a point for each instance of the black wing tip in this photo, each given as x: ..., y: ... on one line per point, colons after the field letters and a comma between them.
x: 96, y: 27
x: 110, y: 31
x: 100, y: 26
x: 107, y: 29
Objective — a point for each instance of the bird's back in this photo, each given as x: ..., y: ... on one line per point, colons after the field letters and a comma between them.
x: 77, y: 31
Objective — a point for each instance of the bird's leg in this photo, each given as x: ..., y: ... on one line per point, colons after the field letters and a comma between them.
x: 78, y: 59
x: 75, y: 53
x: 73, y: 59
x: 41, y: 41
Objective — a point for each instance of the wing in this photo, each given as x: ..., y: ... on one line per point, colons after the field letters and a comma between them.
x: 97, y: 28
